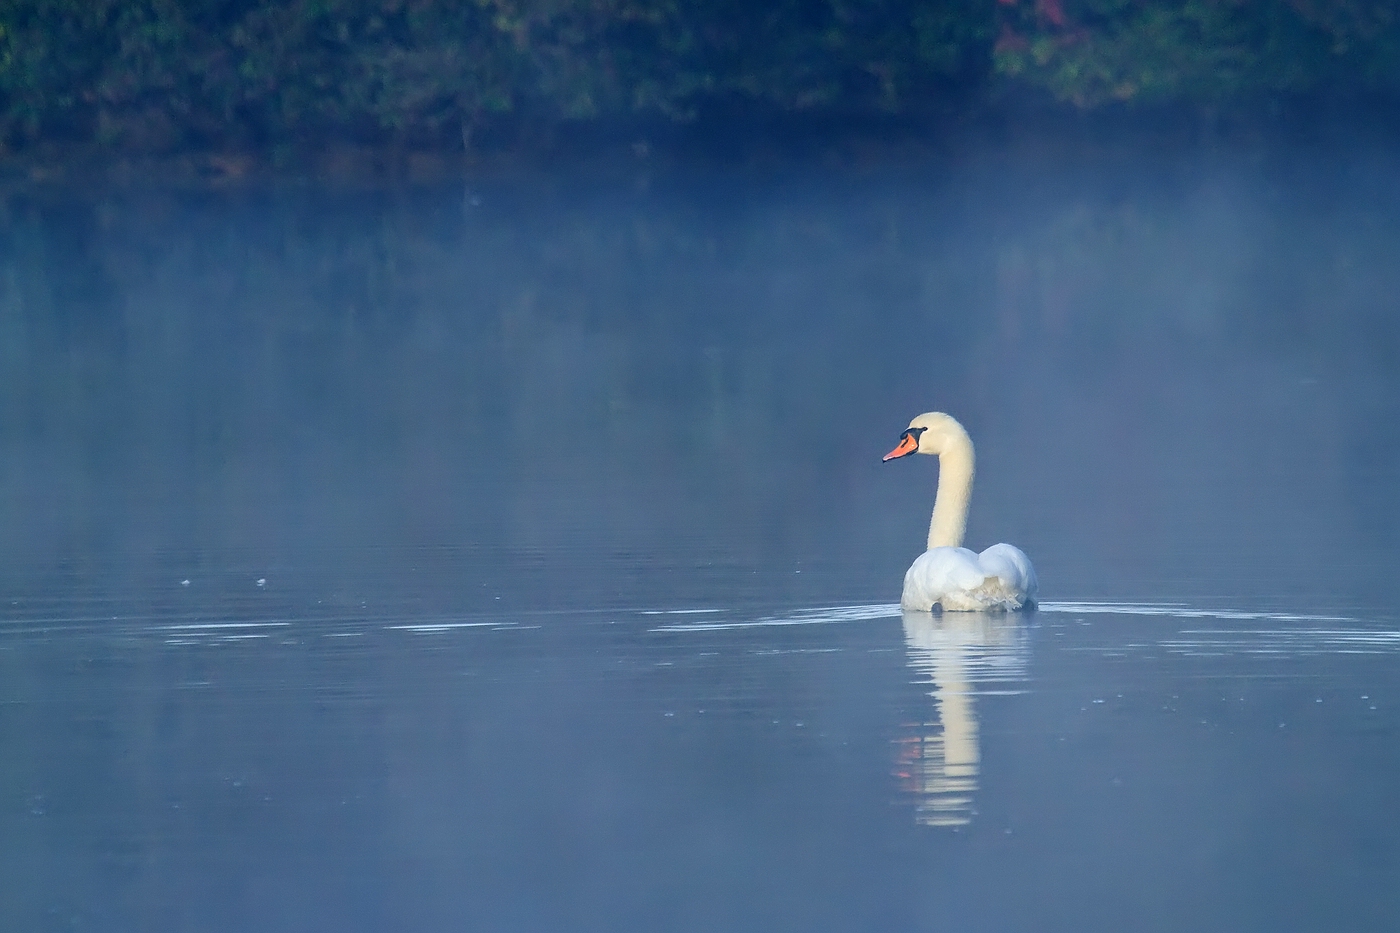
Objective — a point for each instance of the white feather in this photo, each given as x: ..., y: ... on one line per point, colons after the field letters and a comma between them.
x: 954, y: 579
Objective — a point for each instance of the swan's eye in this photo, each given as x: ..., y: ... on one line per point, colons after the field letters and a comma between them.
x: 908, y: 444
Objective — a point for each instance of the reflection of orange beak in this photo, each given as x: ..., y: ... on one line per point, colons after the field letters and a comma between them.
x: 908, y: 444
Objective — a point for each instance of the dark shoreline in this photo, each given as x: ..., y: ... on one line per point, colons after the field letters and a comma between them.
x: 745, y: 142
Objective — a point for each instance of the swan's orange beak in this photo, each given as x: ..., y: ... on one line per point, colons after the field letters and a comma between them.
x: 908, y: 444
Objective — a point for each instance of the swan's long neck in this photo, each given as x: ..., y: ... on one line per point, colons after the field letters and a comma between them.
x: 956, y: 462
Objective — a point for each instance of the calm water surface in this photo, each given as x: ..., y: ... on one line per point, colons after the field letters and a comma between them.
x: 520, y: 557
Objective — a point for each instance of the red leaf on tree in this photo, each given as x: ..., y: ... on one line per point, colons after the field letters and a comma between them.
x: 1052, y: 10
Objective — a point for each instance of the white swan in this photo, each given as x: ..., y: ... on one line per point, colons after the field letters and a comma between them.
x: 948, y: 576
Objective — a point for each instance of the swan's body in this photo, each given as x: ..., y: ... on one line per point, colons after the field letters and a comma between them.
x: 956, y: 579
x: 948, y: 576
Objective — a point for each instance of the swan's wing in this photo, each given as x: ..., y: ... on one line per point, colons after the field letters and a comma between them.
x: 948, y: 568
x: 938, y: 572
x: 1012, y: 566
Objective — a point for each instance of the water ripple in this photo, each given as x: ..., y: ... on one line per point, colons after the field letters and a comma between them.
x: 826, y: 615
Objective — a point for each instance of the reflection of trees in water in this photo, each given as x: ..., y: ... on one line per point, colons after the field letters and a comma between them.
x: 960, y: 654
x: 240, y: 371
x: 291, y: 374
x: 250, y: 370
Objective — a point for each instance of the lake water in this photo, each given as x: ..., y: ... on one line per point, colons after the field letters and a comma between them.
x: 518, y: 556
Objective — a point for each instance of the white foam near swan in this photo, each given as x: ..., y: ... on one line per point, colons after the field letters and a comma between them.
x: 948, y: 576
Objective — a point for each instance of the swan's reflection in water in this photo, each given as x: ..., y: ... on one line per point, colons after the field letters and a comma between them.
x: 961, y: 654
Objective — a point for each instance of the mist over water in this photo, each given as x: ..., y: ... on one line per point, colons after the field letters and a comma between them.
x: 462, y: 557
x: 1181, y: 383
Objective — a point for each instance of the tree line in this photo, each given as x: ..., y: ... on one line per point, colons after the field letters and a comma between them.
x: 160, y: 75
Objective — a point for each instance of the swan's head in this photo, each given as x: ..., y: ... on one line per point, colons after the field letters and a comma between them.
x: 931, y: 433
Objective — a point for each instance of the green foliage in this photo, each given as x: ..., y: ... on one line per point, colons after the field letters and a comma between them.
x: 157, y: 73
x: 154, y: 75
x: 1092, y: 51
x: 160, y: 73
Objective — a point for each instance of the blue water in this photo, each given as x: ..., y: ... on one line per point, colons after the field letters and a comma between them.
x: 519, y: 556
